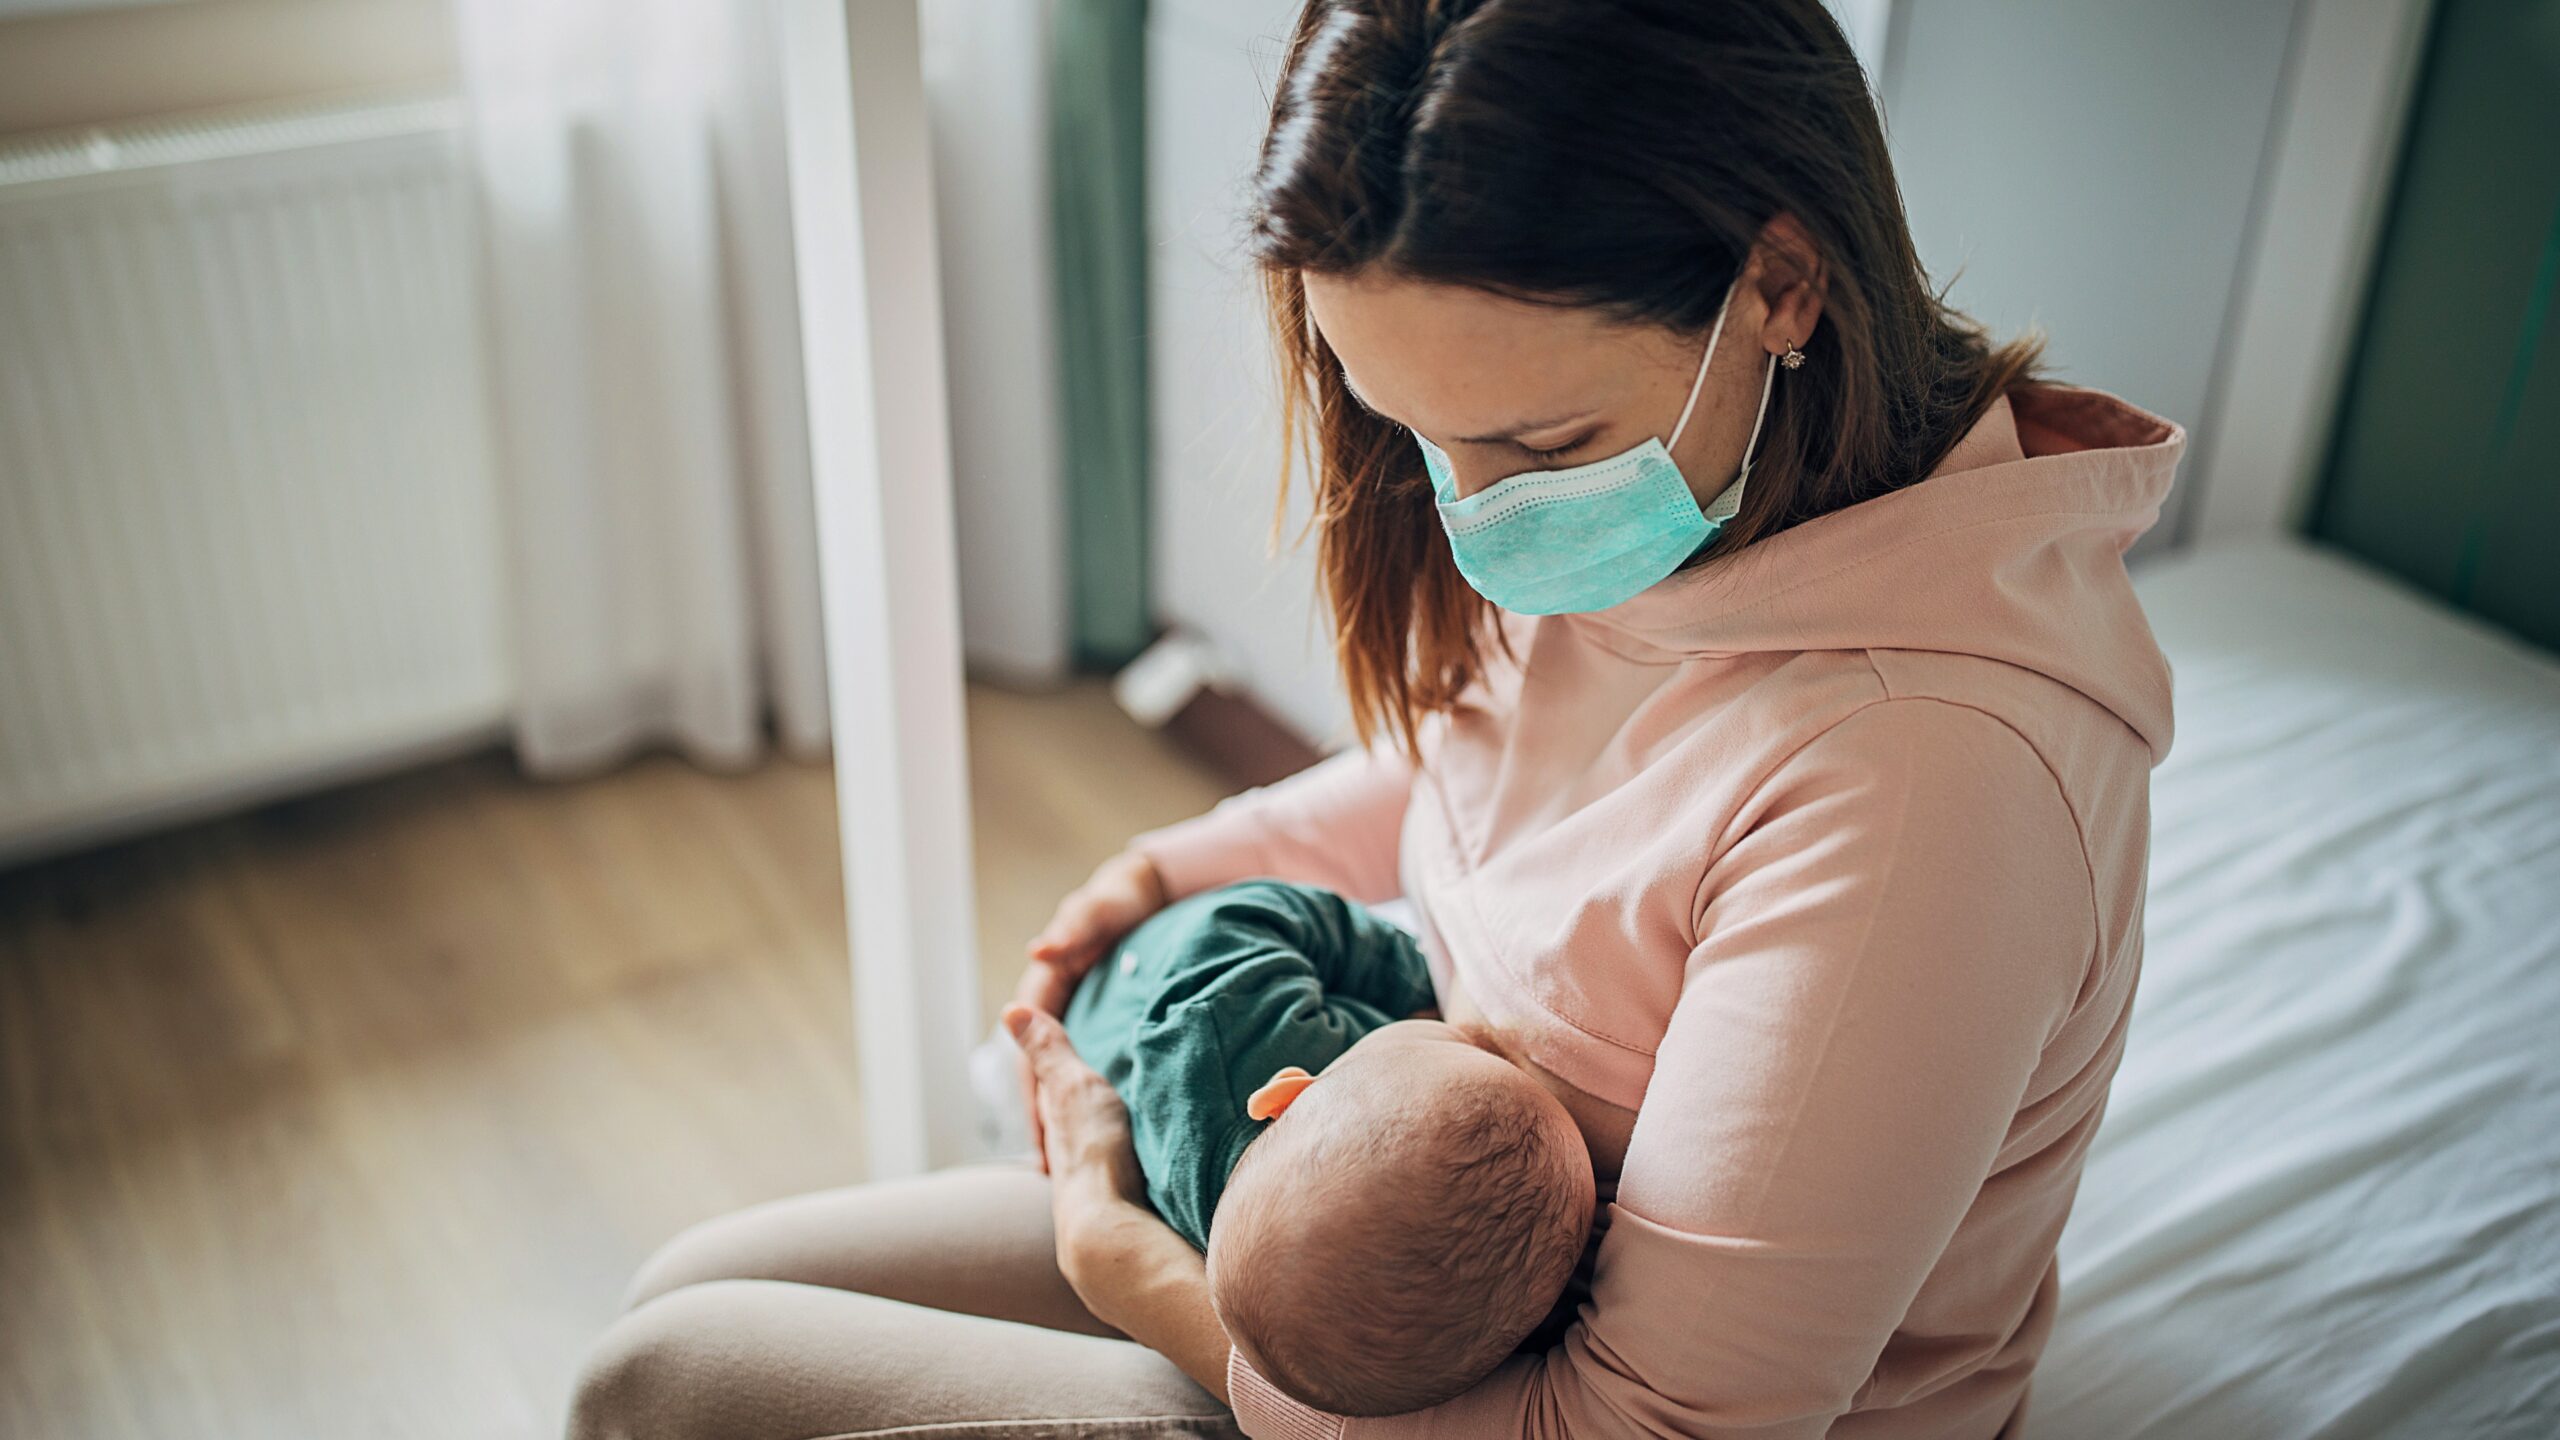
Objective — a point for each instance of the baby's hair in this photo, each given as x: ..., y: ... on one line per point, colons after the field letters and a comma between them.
x: 1414, y: 1310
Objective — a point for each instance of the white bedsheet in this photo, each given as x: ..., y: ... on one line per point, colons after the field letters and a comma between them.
x: 2326, y: 1198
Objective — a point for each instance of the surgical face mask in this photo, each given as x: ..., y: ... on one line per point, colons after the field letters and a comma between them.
x: 1563, y: 542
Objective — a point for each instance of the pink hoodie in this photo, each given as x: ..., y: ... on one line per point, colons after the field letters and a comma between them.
x: 1828, y: 861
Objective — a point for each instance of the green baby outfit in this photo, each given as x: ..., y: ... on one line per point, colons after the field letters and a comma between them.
x: 1203, y: 1002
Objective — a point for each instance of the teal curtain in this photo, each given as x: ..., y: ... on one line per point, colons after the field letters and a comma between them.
x: 2446, y: 463
x: 1098, y: 210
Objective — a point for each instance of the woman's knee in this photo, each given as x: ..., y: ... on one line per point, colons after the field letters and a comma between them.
x: 976, y: 1240
x: 831, y: 1237
x: 761, y: 1360
x: 725, y: 1247
x: 658, y: 1371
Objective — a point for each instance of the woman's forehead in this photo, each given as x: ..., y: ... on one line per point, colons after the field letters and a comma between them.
x: 1455, y: 361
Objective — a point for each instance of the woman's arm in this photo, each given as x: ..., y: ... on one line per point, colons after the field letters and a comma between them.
x: 1142, y: 1279
x: 1335, y: 824
x: 1882, y: 958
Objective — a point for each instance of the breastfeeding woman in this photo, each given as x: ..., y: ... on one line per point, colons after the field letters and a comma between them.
x: 1755, y: 712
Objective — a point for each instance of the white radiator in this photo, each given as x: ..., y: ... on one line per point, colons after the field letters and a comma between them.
x: 248, y: 530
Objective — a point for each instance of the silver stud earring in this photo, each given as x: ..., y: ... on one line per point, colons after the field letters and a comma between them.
x: 1794, y: 358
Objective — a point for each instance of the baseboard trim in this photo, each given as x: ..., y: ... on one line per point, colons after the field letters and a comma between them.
x: 1240, y: 737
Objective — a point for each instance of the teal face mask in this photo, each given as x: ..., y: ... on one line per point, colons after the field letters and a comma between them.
x: 1565, y: 542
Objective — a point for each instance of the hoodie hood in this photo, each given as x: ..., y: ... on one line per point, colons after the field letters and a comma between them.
x: 2012, y: 550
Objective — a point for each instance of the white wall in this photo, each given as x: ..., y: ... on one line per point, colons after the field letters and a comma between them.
x: 1869, y: 26
x: 92, y: 66
x: 1216, y: 436
x: 2353, y: 73
x: 986, y: 78
x: 2090, y: 169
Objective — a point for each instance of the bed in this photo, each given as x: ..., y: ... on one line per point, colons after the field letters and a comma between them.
x: 2325, y: 1201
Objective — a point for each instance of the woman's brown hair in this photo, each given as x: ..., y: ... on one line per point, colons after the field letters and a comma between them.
x: 1619, y: 155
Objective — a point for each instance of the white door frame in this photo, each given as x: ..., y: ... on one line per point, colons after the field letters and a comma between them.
x: 880, y: 457
x: 2322, y: 199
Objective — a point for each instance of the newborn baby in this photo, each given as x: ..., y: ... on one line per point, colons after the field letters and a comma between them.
x: 1388, y: 1208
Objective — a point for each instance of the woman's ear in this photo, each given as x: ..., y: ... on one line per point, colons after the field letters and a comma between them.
x: 1789, y: 275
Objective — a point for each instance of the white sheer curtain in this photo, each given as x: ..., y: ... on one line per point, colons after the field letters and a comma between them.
x: 630, y: 163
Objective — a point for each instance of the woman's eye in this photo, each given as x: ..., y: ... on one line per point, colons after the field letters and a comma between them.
x: 1557, y: 453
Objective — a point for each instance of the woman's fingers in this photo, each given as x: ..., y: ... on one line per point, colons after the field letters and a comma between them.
x: 1069, y: 939
x: 1086, y: 921
x: 1059, y: 1076
x: 1123, y: 891
x: 1045, y: 987
x: 1031, y: 1111
x: 1043, y: 1040
x: 1032, y: 1031
x: 1085, y: 1129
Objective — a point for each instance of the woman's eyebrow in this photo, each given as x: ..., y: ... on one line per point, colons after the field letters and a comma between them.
x: 1503, y: 437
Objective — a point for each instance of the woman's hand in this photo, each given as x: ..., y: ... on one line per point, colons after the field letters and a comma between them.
x: 1084, y: 1129
x: 1130, y: 1268
x: 1122, y: 891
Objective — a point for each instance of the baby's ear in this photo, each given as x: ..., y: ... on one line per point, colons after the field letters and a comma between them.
x: 1278, y: 1093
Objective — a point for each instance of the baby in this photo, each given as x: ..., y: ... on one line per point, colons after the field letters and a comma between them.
x: 1388, y: 1208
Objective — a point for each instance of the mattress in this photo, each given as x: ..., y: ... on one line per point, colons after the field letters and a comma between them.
x: 2325, y: 1200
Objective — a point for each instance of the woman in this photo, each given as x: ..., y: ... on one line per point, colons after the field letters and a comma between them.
x: 1760, y: 723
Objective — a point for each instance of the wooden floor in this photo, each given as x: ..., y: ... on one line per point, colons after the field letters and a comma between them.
x: 351, y: 1117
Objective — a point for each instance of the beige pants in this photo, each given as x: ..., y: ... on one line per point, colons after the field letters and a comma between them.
x: 915, y: 1308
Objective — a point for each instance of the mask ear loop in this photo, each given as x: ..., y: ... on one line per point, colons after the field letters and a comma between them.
x: 1768, y: 382
x: 1699, y: 384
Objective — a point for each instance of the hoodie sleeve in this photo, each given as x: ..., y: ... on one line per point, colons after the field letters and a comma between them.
x: 1335, y: 824
x: 1904, y: 919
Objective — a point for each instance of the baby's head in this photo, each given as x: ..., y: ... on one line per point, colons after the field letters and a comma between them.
x: 1402, y: 1226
